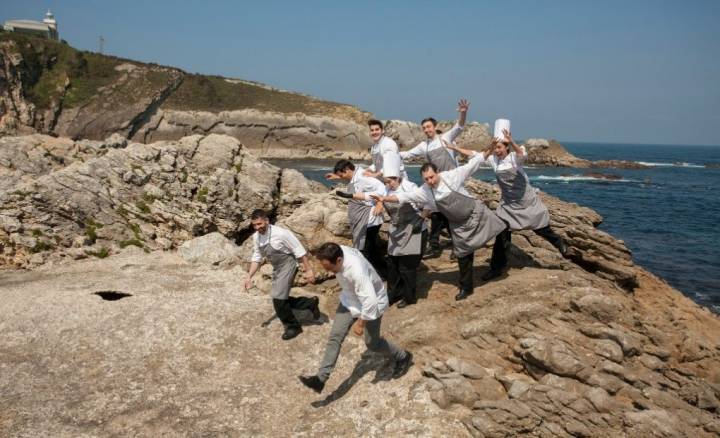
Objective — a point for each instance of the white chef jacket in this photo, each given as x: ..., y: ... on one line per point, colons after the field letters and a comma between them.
x: 281, y: 239
x: 363, y: 291
x: 384, y: 146
x: 452, y: 179
x: 366, y: 186
x: 511, y: 161
x: 426, y: 146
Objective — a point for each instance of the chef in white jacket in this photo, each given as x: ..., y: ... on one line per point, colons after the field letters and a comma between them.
x: 382, y: 146
x: 407, y: 235
x: 472, y: 224
x: 364, y: 213
x: 363, y: 301
x: 434, y: 149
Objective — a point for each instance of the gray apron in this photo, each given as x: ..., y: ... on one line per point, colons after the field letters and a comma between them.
x: 405, y: 233
x: 472, y: 224
x: 520, y: 206
x: 358, y: 216
x: 441, y: 158
x: 377, y: 160
x: 284, y: 269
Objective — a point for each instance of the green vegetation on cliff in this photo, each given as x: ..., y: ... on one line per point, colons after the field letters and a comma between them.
x: 55, y: 74
x: 215, y: 94
x: 48, y: 67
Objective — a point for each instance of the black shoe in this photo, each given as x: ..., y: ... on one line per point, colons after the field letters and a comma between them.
x: 562, y: 247
x: 316, y: 308
x: 312, y: 382
x: 291, y: 332
x: 433, y: 253
x: 402, y: 366
x: 491, y: 274
x: 463, y: 294
x: 402, y: 303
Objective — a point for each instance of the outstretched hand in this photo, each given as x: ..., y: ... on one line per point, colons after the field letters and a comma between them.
x: 331, y: 176
x: 375, y: 197
x: 463, y: 106
x: 508, y: 136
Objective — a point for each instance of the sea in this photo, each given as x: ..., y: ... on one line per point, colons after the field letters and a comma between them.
x: 668, y: 215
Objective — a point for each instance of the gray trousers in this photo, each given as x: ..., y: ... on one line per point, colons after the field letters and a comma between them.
x: 340, y: 328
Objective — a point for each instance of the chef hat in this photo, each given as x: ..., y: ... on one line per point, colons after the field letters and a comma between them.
x: 391, y: 164
x: 501, y: 124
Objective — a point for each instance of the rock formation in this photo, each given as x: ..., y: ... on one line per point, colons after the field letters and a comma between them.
x: 77, y: 199
x: 591, y: 345
x: 49, y: 87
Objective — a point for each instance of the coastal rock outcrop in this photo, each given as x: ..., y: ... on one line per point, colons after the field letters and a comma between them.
x: 78, y: 199
x: 588, y: 345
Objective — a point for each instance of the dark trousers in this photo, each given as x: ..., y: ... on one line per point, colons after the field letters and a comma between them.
x: 373, y: 252
x: 465, y: 265
x: 498, y: 261
x: 402, y: 275
x: 438, y: 222
x: 548, y: 234
x: 284, y: 309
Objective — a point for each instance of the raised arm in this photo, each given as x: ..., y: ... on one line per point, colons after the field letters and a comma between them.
x: 468, y: 169
x: 418, y: 151
x: 463, y: 106
x: 517, y: 149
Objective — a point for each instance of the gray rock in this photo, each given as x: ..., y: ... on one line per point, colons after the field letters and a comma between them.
x: 211, y: 249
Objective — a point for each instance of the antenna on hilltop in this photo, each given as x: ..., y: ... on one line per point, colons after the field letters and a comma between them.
x: 101, y: 43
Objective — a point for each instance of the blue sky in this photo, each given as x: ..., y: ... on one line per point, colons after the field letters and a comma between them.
x: 642, y: 71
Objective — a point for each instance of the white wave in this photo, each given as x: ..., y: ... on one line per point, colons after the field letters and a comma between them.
x: 570, y: 178
x: 653, y: 164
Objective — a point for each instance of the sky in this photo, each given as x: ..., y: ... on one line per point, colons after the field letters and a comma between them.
x: 641, y: 71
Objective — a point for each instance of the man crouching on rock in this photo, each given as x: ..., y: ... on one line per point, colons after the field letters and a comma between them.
x: 281, y: 248
x: 362, y: 302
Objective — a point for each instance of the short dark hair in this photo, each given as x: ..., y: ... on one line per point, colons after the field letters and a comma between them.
x: 342, y: 165
x: 375, y: 122
x: 429, y: 119
x: 329, y: 251
x: 425, y: 167
x: 258, y: 213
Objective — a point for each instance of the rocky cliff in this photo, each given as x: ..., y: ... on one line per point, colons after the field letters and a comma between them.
x: 51, y: 88
x: 107, y: 334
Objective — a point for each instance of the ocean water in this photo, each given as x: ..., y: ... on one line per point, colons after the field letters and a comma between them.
x: 668, y: 215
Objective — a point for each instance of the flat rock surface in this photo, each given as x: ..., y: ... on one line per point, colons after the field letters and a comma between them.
x: 188, y: 354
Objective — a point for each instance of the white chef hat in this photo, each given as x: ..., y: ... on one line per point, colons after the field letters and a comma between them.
x: 391, y: 164
x: 501, y: 124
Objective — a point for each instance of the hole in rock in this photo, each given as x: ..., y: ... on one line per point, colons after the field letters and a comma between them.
x: 112, y: 295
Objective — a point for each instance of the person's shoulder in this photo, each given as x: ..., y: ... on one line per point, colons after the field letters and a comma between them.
x: 387, y: 141
x: 408, y: 185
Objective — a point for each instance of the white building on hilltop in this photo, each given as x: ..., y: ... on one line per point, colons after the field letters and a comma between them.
x: 46, y: 28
